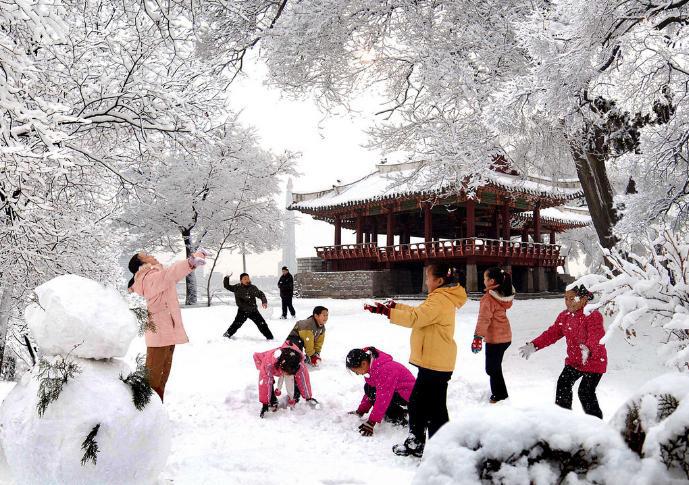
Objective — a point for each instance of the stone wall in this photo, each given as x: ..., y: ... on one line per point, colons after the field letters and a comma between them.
x: 352, y: 284
x: 308, y: 265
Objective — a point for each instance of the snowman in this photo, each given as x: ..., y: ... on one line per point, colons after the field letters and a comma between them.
x: 82, y: 415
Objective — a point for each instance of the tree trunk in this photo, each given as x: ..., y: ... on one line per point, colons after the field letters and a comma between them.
x: 593, y: 176
x: 5, y: 311
x: 190, y: 281
x: 210, y: 274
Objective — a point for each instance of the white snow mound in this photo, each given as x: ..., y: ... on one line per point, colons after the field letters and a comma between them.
x: 133, y: 445
x: 80, y: 317
x: 531, y: 446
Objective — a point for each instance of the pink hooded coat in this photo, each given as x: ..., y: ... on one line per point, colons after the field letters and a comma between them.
x: 388, y: 377
x: 158, y: 285
x: 267, y: 371
x: 578, y: 328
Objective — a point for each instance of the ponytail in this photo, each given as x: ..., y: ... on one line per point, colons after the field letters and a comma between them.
x: 134, y: 265
x: 444, y: 271
x: 503, y: 279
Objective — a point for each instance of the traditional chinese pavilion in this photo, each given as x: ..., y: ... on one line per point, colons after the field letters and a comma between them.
x: 510, y: 220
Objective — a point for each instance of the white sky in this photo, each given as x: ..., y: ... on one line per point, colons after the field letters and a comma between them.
x: 331, y: 149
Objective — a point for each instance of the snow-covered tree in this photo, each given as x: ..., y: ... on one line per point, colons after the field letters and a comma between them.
x: 559, y: 87
x: 650, y: 289
x: 213, y: 191
x: 90, y: 93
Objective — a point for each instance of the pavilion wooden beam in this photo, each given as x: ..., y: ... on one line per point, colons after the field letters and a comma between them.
x: 359, y: 229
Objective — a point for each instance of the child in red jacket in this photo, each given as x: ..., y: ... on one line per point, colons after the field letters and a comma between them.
x: 493, y: 326
x: 586, y: 356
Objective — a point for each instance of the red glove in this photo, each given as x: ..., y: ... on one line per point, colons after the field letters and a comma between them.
x: 390, y: 303
x: 315, y: 360
x: 477, y: 344
x: 277, y: 392
x: 291, y: 402
x: 379, y: 308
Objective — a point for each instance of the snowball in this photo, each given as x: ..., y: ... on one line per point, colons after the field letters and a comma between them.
x: 133, y: 444
x: 78, y: 315
x: 277, y: 353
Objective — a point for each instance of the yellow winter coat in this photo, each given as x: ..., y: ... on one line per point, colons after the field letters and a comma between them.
x: 432, y: 327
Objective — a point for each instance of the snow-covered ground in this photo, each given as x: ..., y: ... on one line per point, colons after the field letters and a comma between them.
x: 212, y: 396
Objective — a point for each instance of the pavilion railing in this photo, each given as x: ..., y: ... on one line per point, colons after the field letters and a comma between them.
x: 546, y: 254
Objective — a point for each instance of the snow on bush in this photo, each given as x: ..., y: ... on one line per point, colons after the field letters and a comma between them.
x: 531, y: 446
x: 655, y: 422
x: 78, y: 316
x: 130, y: 446
x: 651, y: 289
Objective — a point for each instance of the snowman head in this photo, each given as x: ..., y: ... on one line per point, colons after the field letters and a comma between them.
x: 80, y: 316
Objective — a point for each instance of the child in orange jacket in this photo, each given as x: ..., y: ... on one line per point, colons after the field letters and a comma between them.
x: 494, y: 327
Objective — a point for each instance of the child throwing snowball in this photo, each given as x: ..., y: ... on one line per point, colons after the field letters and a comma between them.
x: 433, y: 351
x: 286, y: 363
x: 387, y: 389
x: 494, y: 327
x: 586, y: 359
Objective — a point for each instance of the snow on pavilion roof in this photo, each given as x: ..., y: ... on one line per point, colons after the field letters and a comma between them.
x: 414, y: 178
x: 565, y: 215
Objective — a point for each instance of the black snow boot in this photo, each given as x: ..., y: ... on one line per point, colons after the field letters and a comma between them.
x: 410, y: 447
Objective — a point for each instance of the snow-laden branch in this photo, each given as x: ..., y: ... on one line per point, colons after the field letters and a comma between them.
x: 651, y: 288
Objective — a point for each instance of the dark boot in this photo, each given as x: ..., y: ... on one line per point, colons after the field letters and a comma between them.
x: 410, y: 447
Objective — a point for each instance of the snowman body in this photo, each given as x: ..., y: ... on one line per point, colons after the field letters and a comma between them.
x: 81, y: 321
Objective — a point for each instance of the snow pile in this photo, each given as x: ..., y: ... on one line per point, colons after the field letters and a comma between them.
x: 655, y: 422
x: 79, y: 317
x: 132, y: 445
x: 539, y: 446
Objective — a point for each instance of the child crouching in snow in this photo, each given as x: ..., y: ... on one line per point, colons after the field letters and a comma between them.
x: 387, y: 389
x: 287, y: 363
x: 494, y: 327
x: 586, y: 356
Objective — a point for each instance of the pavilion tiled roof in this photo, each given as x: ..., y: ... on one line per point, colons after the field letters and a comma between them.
x: 416, y: 179
x: 568, y: 216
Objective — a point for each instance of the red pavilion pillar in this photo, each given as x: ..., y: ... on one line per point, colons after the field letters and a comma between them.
x: 537, y: 222
x: 471, y: 218
x: 338, y: 231
x: 390, y: 232
x: 427, y: 222
x: 359, y: 229
x: 506, y: 222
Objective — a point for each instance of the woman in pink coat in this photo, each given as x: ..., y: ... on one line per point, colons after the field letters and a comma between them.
x: 387, y: 390
x: 286, y: 363
x: 157, y: 285
x: 586, y: 359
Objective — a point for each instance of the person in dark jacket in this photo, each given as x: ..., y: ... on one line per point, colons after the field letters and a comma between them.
x: 286, y: 285
x: 245, y: 295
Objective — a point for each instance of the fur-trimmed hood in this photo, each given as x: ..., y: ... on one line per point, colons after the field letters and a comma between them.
x: 504, y: 301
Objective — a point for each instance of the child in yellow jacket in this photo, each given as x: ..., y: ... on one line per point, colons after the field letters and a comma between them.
x: 433, y: 352
x: 494, y: 327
